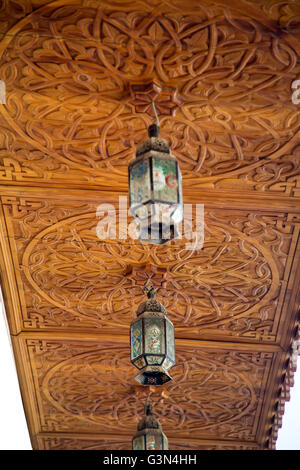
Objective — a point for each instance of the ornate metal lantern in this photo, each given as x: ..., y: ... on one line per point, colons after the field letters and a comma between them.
x: 155, y: 190
x: 152, y: 341
x: 149, y: 434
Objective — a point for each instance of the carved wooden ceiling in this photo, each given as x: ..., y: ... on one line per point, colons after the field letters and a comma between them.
x: 79, y: 78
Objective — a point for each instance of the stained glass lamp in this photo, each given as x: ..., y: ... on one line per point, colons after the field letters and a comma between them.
x: 152, y: 341
x: 155, y: 190
x: 149, y: 434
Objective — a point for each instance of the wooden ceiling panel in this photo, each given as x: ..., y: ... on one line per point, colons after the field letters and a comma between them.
x: 86, y: 386
x: 79, y: 77
x: 234, y: 287
x: 221, y: 81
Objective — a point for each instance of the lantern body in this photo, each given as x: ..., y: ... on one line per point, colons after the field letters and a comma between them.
x: 152, y: 344
x: 155, y: 190
x: 149, y: 440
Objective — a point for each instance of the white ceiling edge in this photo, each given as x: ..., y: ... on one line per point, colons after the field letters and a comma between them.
x: 14, y: 433
x: 289, y: 433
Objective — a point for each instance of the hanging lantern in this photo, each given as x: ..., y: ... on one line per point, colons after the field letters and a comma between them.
x: 155, y: 190
x: 152, y: 341
x: 149, y: 434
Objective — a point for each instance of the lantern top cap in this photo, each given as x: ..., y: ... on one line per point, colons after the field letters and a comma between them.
x: 149, y: 289
x: 152, y: 304
x: 148, y: 421
x: 156, y: 144
x: 153, y: 130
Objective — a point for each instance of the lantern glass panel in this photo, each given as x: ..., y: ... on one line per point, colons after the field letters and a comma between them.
x: 140, y: 362
x: 165, y: 441
x: 154, y: 442
x: 154, y: 336
x: 170, y: 340
x: 163, y: 210
x: 165, y: 181
x: 138, y: 443
x: 136, y: 339
x: 167, y: 363
x: 140, y: 186
x: 154, y: 360
x: 142, y: 212
x: 178, y: 213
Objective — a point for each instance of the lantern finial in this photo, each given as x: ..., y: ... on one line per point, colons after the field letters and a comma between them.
x: 148, y: 407
x: 149, y: 289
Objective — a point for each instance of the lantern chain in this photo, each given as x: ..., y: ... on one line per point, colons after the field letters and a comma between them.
x: 155, y: 113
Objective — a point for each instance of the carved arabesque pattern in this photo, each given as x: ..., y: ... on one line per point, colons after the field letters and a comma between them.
x: 72, y: 278
x: 211, y: 390
x: 230, y: 120
x: 68, y: 72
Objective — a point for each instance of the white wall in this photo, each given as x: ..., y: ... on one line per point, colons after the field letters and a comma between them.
x: 13, y: 427
x: 289, y: 434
